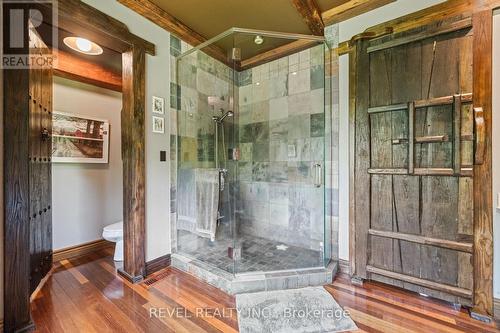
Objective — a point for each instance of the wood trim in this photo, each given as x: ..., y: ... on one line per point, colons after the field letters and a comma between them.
x: 351, y: 9
x: 447, y: 244
x: 344, y: 267
x: 276, y: 53
x: 102, y: 28
x: 345, y: 47
x: 352, y: 158
x: 311, y: 14
x: 496, y: 308
x: 133, y: 155
x: 421, y: 282
x: 71, y: 67
x: 442, y: 29
x: 80, y: 250
x: 157, y: 264
x: 434, y: 13
x: 483, y: 196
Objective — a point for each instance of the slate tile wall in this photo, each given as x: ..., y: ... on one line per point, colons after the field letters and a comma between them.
x: 281, y: 131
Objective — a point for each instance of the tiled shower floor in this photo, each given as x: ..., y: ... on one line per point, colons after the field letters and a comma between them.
x: 257, y: 254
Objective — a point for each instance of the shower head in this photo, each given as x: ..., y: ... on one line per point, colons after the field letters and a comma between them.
x: 227, y: 114
x: 221, y: 118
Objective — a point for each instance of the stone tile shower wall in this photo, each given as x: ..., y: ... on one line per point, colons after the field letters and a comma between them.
x: 282, y: 135
x: 280, y: 115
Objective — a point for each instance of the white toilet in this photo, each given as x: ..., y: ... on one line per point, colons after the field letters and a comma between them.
x: 114, y: 233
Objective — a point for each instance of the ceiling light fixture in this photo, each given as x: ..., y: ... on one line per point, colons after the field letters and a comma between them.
x: 258, y: 40
x: 83, y: 45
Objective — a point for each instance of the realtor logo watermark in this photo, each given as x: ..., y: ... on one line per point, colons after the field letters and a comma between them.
x: 24, y: 19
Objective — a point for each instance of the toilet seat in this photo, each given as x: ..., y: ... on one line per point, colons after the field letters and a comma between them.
x: 114, y: 233
x: 113, y: 230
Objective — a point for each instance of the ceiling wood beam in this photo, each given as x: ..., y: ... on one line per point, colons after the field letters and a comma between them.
x: 77, y: 16
x: 74, y: 68
x: 351, y: 9
x: 311, y: 14
x: 441, y: 11
x: 279, y: 52
x: 168, y: 22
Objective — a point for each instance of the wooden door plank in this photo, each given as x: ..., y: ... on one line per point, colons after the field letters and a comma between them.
x: 431, y: 284
x: 483, y: 226
x: 362, y: 161
x: 447, y: 244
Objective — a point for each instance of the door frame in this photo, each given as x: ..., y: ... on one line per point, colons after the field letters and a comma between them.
x: 482, y: 18
x: 109, y: 32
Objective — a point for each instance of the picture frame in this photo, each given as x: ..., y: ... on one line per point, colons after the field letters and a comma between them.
x: 79, y: 139
x: 158, y: 106
x: 158, y: 125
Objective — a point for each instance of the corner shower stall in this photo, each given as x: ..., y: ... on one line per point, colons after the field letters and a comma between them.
x: 256, y: 149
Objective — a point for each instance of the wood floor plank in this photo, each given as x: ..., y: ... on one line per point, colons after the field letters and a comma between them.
x: 86, y: 295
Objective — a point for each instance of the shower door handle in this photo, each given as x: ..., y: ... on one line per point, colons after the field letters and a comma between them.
x: 318, y: 175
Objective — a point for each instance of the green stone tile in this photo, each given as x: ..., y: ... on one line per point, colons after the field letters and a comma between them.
x: 317, y: 77
x: 278, y: 172
x: 246, y: 151
x: 261, y: 151
x: 299, y: 126
x: 175, y: 46
x: 245, y: 170
x: 278, y: 129
x: 260, y: 171
x: 317, y: 125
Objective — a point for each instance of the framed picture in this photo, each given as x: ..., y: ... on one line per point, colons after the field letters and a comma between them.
x: 79, y: 139
x: 158, y: 105
x: 158, y: 125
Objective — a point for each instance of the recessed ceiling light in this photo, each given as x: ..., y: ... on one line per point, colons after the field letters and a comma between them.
x: 83, y: 45
x: 258, y: 40
x: 257, y: 83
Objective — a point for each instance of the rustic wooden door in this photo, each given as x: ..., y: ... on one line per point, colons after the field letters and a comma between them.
x: 414, y: 157
x: 40, y: 181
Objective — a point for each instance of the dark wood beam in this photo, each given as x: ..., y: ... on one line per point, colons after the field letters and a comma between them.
x: 311, y: 14
x: 168, y: 22
x: 16, y: 106
x: 351, y: 9
x: 78, y: 17
x: 133, y: 156
x: 75, y: 68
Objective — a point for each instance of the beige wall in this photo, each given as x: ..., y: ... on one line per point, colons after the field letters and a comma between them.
x: 86, y: 196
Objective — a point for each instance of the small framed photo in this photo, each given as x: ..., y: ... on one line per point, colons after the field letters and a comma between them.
x: 158, y: 105
x: 158, y: 125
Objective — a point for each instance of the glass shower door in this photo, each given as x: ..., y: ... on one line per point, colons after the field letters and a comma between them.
x: 280, y: 216
x: 205, y: 120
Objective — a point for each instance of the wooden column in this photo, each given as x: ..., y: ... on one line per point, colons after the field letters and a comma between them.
x: 16, y: 200
x: 133, y: 155
x: 483, y: 226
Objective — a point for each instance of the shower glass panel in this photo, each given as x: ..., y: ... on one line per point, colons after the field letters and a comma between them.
x: 251, y: 152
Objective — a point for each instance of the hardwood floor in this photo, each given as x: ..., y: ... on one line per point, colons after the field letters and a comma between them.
x: 87, y: 295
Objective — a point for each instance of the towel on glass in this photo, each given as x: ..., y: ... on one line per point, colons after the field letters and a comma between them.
x: 198, y: 201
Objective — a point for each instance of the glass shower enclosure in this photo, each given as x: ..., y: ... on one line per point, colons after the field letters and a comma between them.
x: 254, y: 129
